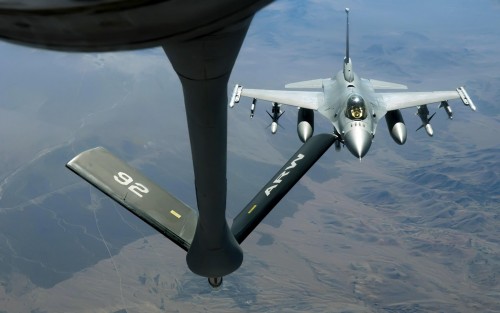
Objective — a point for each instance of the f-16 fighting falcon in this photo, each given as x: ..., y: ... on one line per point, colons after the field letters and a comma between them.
x: 353, y: 106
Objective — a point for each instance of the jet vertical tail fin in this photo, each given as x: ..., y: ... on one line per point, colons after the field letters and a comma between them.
x: 138, y: 194
x: 347, y: 36
x: 348, y: 74
x: 267, y: 198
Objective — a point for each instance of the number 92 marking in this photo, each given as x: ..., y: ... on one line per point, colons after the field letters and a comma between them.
x: 125, y: 180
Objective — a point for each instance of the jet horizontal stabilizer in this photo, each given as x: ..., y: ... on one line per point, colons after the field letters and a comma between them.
x: 138, y: 194
x: 315, y: 83
x: 267, y: 198
x: 379, y: 84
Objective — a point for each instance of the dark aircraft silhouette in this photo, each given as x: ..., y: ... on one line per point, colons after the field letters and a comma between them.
x: 202, y: 40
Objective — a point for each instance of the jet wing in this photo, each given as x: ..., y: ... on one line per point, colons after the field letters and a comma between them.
x: 314, y: 84
x: 138, y: 194
x: 402, y: 100
x: 380, y: 84
x: 304, y: 99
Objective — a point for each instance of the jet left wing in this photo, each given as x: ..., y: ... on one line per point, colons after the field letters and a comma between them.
x: 303, y: 99
x: 402, y: 100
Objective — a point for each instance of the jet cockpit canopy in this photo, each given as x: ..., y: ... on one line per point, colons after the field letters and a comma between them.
x: 356, y: 108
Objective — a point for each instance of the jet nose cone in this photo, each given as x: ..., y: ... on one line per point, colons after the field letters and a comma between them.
x: 358, y: 141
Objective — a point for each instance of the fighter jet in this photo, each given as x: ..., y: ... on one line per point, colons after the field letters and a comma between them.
x: 352, y: 105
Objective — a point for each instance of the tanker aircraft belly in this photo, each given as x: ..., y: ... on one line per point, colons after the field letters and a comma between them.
x: 202, y: 46
x: 202, y: 43
x: 353, y: 106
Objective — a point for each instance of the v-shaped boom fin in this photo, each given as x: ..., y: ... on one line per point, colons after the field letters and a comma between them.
x: 138, y: 194
x: 267, y: 198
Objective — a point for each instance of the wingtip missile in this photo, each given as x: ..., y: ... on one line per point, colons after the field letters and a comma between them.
x: 236, y: 95
x: 465, y: 98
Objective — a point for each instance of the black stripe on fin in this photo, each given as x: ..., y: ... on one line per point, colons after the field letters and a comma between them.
x: 267, y: 198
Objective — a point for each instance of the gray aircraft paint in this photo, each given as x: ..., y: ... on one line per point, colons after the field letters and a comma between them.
x: 339, y: 92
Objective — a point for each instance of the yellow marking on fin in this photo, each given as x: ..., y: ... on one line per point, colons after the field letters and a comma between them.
x: 175, y: 214
x: 254, y: 206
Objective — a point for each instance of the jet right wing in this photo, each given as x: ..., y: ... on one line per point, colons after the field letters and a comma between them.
x: 403, y: 100
x: 303, y: 99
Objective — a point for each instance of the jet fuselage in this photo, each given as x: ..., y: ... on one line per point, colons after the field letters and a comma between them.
x: 352, y: 108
